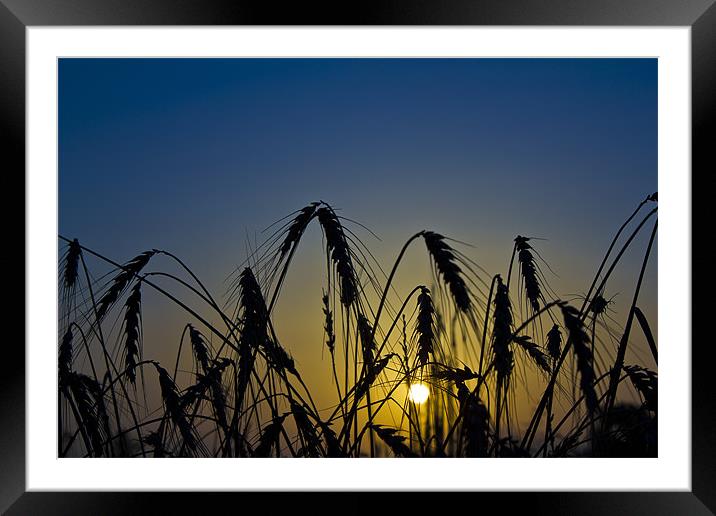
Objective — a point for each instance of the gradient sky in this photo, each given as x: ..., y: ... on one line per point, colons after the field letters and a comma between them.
x: 196, y: 155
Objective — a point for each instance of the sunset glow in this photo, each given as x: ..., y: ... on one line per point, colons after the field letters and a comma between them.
x: 418, y: 393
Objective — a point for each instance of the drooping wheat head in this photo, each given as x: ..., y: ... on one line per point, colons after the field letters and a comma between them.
x: 454, y: 374
x: 395, y: 442
x: 371, y: 375
x: 121, y: 280
x: 278, y: 358
x: 307, y: 431
x: 89, y: 400
x: 210, y: 381
x: 446, y: 263
x: 646, y: 383
x: 528, y: 269
x: 199, y: 347
x: 174, y: 407
x: 296, y: 228
x: 132, y: 331
x: 554, y: 342
x: 218, y: 394
x: 333, y: 447
x: 580, y: 344
x: 340, y: 254
x: 534, y: 351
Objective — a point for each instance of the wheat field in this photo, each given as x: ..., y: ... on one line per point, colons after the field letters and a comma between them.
x: 440, y: 371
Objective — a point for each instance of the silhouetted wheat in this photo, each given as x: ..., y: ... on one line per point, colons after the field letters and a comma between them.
x: 296, y: 228
x: 253, y: 329
x: 476, y: 424
x: 373, y: 373
x: 333, y: 447
x: 340, y: 254
x: 395, y: 442
x: 502, y: 333
x: 132, y: 331
x: 425, y: 326
x: 368, y: 345
x: 525, y: 342
x: 174, y: 407
x: 646, y: 382
x: 242, y: 384
x: 307, y: 430
x: 328, y: 324
x: 529, y: 272
x: 554, y: 342
x: 71, y: 264
x: 278, y: 358
x: 269, y: 437
x: 121, y: 280
x: 154, y: 439
x: 580, y: 340
x: 88, y: 398
x: 598, y: 305
x: 446, y: 263
x: 204, y: 383
x: 201, y: 352
x: 455, y: 375
x: 218, y: 395
x: 65, y: 357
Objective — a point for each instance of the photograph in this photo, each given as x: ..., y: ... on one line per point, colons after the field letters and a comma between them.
x: 369, y: 257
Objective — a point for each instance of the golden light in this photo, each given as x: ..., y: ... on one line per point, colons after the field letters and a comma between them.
x: 418, y: 393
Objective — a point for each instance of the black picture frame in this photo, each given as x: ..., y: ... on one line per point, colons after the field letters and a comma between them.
x: 700, y: 15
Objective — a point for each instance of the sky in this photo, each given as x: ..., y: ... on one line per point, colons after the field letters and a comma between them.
x: 198, y: 156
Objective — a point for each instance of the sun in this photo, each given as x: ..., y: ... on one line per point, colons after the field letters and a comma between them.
x: 418, y: 393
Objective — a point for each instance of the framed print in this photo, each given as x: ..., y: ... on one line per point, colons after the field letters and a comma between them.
x: 413, y: 251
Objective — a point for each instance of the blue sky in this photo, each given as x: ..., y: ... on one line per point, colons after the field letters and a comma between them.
x: 191, y: 142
